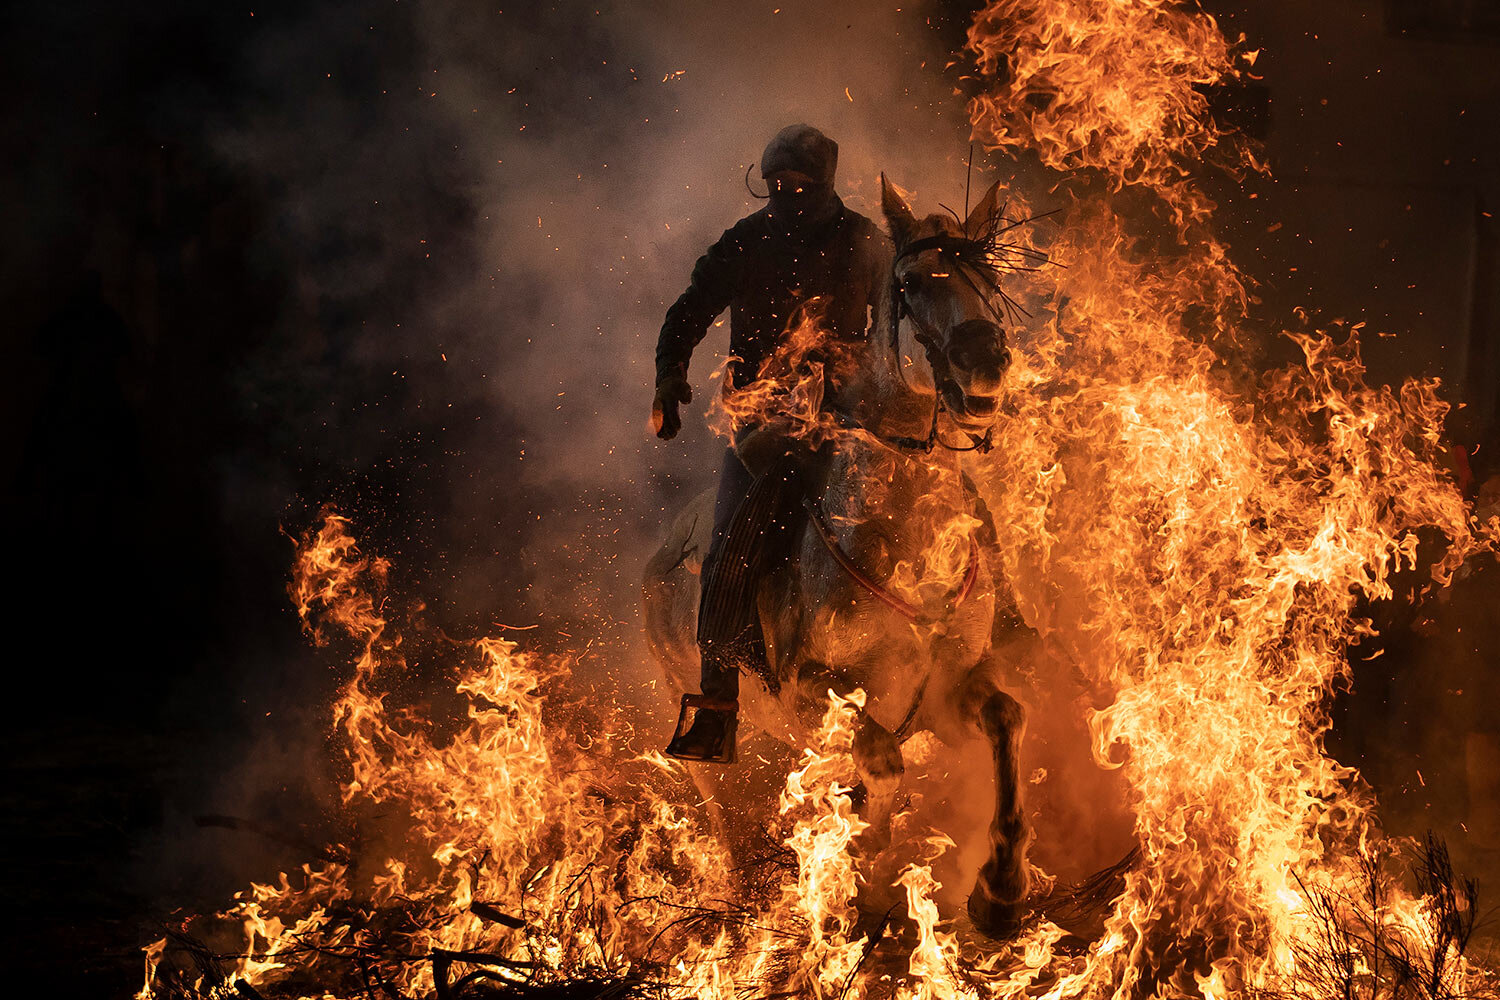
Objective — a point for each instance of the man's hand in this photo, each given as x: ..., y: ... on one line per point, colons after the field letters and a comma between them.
x: 671, y: 392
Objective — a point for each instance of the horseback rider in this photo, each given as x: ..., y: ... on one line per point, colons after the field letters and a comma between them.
x: 804, y: 244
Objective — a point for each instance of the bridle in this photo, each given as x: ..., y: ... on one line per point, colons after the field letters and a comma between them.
x: 970, y: 259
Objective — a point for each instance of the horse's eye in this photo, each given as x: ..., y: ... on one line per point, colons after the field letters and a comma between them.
x: 911, y: 281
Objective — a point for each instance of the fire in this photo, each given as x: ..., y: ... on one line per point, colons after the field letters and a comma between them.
x: 827, y: 880
x: 1116, y: 86
x: 520, y: 848
x: 789, y: 394
x: 789, y: 402
x: 1209, y: 533
x: 1190, y: 536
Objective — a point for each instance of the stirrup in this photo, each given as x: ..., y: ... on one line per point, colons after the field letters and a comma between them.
x: 693, y: 742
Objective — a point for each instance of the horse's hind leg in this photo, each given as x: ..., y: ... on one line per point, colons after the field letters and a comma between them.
x: 999, y: 895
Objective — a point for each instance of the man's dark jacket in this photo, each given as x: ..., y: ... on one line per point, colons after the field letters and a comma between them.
x: 762, y: 275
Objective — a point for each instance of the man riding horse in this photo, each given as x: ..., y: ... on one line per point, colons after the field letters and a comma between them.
x: 858, y: 560
x: 804, y: 245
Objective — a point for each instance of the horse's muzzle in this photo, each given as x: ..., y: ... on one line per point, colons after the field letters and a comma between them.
x: 977, y: 359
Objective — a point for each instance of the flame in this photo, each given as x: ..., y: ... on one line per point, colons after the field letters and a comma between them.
x: 1190, y: 536
x: 943, y: 558
x: 936, y: 953
x: 1117, y: 86
x: 788, y: 392
x: 787, y: 400
x: 584, y: 848
x: 1208, y: 533
x: 823, y: 894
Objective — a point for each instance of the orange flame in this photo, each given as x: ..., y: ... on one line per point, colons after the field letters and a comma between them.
x: 584, y: 848
x: 1193, y: 541
x: 1117, y: 86
x: 823, y: 894
x: 788, y: 393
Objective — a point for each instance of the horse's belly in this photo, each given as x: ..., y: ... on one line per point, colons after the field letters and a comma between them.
x: 859, y: 643
x: 852, y: 639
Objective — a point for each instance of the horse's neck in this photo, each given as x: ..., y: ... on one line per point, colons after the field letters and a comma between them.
x: 891, y: 405
x: 912, y: 496
x: 878, y: 394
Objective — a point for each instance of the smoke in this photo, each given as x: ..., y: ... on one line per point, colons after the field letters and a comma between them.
x: 411, y: 259
x: 470, y: 221
x: 490, y: 211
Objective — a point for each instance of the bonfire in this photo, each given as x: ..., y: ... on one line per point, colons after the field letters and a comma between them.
x: 1188, y: 534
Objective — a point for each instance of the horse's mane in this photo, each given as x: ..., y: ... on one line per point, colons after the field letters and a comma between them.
x: 990, y: 250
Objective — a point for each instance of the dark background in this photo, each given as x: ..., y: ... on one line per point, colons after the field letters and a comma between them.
x: 409, y: 259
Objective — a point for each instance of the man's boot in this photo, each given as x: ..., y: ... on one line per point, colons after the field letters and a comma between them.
x: 710, y: 737
x: 709, y: 734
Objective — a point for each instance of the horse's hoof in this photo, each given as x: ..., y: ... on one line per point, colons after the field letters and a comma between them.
x: 994, y: 919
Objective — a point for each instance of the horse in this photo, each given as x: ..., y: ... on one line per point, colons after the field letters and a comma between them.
x: 886, y: 586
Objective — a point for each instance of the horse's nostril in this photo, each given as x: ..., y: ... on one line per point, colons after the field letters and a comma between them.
x: 978, y: 345
x: 977, y: 329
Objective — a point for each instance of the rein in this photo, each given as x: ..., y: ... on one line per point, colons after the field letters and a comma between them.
x: 902, y: 607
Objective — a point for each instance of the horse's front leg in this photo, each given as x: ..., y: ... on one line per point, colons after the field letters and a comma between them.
x: 999, y: 897
x: 877, y: 759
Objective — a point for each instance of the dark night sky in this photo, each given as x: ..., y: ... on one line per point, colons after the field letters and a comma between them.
x: 410, y: 258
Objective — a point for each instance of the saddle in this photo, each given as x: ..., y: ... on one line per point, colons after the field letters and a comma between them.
x: 763, y: 533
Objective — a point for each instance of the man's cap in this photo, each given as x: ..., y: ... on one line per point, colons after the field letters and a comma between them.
x: 804, y: 149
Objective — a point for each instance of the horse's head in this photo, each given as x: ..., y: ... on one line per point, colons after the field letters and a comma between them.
x: 944, y: 283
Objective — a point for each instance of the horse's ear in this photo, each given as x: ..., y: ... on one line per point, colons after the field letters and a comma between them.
x: 979, y: 219
x: 898, y: 214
